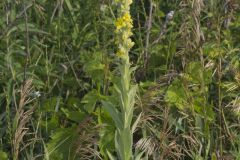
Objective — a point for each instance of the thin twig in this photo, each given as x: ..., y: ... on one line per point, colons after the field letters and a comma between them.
x: 164, y: 27
x: 149, y: 26
x: 26, y: 42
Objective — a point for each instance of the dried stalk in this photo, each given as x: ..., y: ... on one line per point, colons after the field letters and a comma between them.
x: 22, y: 118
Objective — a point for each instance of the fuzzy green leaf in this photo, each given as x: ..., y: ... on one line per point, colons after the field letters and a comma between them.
x: 114, y: 113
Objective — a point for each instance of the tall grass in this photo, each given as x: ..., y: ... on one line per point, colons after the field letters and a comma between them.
x: 73, y: 85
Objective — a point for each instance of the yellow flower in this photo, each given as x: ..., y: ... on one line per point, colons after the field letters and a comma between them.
x: 129, y: 43
x: 129, y: 2
x: 127, y: 18
x: 120, y: 53
x: 126, y: 2
x: 119, y: 23
x: 124, y: 22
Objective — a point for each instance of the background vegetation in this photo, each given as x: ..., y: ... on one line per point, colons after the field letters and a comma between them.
x: 58, y: 64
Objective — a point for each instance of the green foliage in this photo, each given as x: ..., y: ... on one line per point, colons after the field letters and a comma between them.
x: 175, y: 95
x: 3, y: 155
x: 62, y: 143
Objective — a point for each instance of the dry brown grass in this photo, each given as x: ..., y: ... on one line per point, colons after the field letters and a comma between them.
x: 22, y: 117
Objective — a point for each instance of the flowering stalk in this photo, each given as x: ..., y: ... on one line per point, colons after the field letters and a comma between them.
x: 125, y: 91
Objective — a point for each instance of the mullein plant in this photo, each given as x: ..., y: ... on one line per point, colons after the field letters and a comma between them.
x: 122, y: 111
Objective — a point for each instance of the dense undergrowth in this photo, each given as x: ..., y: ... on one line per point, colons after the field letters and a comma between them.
x: 73, y: 85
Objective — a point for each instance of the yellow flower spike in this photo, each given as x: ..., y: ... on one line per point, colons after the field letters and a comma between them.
x: 125, y: 36
x: 127, y: 18
x: 124, y: 22
x: 130, y: 43
x: 119, y: 23
x: 120, y: 53
x: 126, y: 91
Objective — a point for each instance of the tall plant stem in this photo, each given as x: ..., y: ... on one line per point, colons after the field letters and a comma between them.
x: 26, y: 43
x: 149, y: 26
x: 125, y: 91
